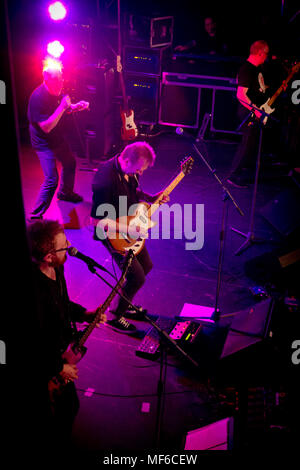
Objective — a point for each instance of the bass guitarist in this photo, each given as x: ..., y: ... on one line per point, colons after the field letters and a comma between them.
x: 117, y: 177
x: 57, y: 315
x: 251, y: 90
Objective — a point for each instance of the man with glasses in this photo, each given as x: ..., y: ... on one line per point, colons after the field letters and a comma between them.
x: 57, y: 316
x: 251, y: 90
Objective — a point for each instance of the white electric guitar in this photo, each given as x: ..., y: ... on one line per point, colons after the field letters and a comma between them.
x: 121, y: 242
x: 267, y: 106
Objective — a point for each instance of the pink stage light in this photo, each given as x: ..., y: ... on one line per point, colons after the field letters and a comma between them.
x: 57, y: 11
x: 55, y: 48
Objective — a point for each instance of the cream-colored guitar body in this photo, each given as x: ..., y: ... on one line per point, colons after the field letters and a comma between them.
x: 122, y: 242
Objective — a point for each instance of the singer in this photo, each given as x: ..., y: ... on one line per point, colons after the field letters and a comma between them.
x: 116, y: 177
x: 56, y: 326
x: 47, y: 111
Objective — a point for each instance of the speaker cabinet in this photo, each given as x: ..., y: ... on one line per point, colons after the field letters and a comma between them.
x: 214, y: 436
x: 283, y: 212
x: 143, y: 92
x: 179, y: 105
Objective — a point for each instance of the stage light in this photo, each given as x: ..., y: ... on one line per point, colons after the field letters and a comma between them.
x: 57, y: 11
x: 52, y: 64
x: 55, y: 48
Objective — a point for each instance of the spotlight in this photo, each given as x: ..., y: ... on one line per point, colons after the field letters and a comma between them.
x: 57, y: 11
x: 55, y: 48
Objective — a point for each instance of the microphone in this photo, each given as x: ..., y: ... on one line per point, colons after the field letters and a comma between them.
x: 72, y: 251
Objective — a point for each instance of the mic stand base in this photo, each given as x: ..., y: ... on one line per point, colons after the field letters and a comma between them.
x: 250, y: 240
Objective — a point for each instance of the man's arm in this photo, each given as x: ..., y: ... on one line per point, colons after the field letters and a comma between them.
x: 53, y: 120
x: 243, y: 98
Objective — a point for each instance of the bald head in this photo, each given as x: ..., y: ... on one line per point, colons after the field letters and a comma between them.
x: 53, y: 80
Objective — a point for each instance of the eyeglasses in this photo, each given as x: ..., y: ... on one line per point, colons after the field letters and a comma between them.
x: 61, y: 249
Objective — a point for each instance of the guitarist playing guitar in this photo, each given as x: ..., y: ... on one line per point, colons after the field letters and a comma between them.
x: 117, y: 177
x: 56, y: 317
x: 115, y: 190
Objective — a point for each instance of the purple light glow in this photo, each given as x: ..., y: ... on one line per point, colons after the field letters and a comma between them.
x: 55, y: 48
x: 57, y: 11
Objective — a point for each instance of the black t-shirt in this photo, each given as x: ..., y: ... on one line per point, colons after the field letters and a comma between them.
x: 251, y: 77
x: 40, y: 107
x: 108, y: 184
x: 55, y: 316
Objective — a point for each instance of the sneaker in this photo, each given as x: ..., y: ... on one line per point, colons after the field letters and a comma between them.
x: 236, y: 184
x: 133, y: 315
x: 69, y: 197
x: 121, y: 325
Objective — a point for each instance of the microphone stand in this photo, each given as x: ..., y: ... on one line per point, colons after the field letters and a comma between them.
x: 226, y: 197
x: 165, y: 340
x: 250, y: 237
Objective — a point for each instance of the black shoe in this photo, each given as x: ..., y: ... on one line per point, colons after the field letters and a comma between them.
x: 236, y: 183
x: 121, y: 325
x: 69, y: 197
x: 133, y: 315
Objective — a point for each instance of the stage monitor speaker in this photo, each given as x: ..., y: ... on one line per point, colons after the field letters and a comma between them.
x: 214, y: 436
x: 143, y: 91
x: 249, y: 326
x: 179, y: 105
x: 283, y: 212
x: 224, y: 111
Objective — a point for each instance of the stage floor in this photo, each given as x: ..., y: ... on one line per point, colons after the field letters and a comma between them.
x: 119, y: 413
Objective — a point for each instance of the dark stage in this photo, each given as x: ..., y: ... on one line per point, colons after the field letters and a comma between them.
x: 243, y: 395
x: 116, y: 386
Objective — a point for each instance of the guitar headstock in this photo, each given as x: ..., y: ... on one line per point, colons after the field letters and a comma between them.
x: 296, y: 68
x: 186, y: 165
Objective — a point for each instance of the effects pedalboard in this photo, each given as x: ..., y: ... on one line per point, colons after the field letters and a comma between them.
x: 184, y: 332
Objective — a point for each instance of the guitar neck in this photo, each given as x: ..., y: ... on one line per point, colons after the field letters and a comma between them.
x: 166, y: 192
x: 125, y: 99
x: 100, y: 310
x: 281, y: 88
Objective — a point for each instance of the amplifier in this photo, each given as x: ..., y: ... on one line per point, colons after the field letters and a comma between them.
x: 143, y: 91
x: 144, y: 59
x: 185, y: 98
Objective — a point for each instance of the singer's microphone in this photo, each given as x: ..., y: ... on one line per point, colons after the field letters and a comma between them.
x: 72, y: 251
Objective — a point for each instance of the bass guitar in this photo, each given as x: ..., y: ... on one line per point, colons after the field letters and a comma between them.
x: 76, y: 350
x: 121, y: 242
x: 267, y: 106
x: 129, y: 130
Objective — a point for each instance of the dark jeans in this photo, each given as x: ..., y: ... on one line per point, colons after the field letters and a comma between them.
x: 246, y: 155
x: 135, y: 279
x: 48, y: 163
